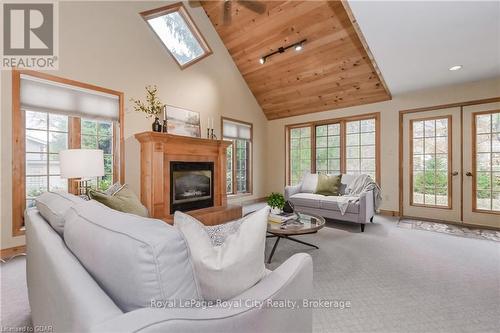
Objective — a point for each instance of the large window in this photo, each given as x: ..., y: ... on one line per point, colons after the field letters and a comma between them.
x: 178, y: 33
x: 46, y: 135
x: 487, y: 162
x: 47, y: 113
x: 239, y: 156
x: 430, y: 162
x: 343, y: 145
x: 99, y: 135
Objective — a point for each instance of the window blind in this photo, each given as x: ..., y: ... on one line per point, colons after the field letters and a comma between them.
x: 234, y: 130
x: 48, y: 96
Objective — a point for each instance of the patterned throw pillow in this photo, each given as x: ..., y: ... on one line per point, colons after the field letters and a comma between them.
x: 219, y: 233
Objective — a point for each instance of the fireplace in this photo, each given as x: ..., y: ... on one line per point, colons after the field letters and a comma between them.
x: 192, y: 185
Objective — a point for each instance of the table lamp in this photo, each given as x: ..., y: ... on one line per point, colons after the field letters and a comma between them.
x: 82, y: 164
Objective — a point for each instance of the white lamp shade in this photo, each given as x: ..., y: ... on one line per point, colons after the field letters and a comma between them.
x: 81, y: 163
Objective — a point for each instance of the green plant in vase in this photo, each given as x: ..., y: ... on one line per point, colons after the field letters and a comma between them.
x: 276, y: 201
x: 152, y: 107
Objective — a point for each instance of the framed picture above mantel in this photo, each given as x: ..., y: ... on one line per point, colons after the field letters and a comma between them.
x: 183, y: 122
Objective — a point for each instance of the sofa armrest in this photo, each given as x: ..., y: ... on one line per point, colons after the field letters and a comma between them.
x: 291, y: 190
x: 251, y: 311
x: 366, y: 207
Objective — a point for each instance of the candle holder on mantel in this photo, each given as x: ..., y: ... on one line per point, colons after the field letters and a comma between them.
x: 208, y: 133
x: 212, y: 135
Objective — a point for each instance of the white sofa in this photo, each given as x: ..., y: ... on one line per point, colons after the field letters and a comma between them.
x: 305, y: 200
x: 99, y: 270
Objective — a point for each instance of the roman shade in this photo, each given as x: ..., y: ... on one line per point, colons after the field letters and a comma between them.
x: 43, y: 95
x: 234, y: 130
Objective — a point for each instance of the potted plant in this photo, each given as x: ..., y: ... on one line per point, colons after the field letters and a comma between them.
x: 152, y: 107
x: 276, y: 201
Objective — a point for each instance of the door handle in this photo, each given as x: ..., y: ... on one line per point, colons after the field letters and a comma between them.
x: 468, y: 174
x: 454, y: 173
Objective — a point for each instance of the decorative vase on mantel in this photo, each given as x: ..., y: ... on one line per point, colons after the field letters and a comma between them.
x: 157, y: 125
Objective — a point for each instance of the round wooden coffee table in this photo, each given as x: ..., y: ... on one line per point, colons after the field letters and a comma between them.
x: 303, y: 225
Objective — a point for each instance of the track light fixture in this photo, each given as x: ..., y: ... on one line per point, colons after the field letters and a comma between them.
x: 297, y: 46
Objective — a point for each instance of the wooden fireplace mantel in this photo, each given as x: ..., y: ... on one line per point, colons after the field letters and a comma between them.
x: 158, y: 150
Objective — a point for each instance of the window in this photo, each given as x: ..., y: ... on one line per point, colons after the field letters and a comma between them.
x: 300, y: 152
x: 430, y: 162
x: 343, y: 145
x: 239, y: 161
x: 99, y: 135
x: 328, y: 148
x: 47, y: 113
x: 46, y: 134
x: 360, y: 147
x: 487, y: 162
x: 178, y: 33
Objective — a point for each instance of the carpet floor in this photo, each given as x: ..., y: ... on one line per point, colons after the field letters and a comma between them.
x: 395, y: 280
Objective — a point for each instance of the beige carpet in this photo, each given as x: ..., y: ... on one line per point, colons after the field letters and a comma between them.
x: 396, y: 280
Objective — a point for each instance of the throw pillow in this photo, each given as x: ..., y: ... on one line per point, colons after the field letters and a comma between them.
x: 309, y: 183
x: 225, y: 271
x: 328, y: 185
x: 218, y: 233
x: 124, y: 200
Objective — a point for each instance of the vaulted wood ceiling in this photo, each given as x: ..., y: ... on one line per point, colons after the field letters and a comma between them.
x: 334, y: 70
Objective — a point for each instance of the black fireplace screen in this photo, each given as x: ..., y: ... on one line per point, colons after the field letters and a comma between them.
x: 191, y: 185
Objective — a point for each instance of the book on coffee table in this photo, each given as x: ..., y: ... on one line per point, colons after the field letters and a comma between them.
x: 282, y: 217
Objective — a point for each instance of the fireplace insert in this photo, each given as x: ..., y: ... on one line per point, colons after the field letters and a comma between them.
x: 191, y: 185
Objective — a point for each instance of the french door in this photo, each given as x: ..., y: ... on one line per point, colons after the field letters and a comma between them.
x: 482, y: 164
x: 432, y: 165
x: 451, y: 164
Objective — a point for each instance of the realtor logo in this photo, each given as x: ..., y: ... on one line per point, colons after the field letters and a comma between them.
x: 29, y: 39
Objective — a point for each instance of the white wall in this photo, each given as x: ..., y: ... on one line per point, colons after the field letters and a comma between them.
x: 108, y: 44
x: 389, y: 111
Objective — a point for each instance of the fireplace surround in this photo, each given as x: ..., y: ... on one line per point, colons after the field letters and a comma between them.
x: 158, y: 150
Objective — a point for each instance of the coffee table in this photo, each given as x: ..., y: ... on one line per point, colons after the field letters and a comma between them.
x: 309, y: 224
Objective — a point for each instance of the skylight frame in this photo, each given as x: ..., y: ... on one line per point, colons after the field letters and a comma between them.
x: 178, y: 7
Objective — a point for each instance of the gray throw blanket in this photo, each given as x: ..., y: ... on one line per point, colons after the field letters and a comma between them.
x: 361, y: 184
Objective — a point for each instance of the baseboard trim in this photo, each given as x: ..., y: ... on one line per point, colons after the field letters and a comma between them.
x: 12, y: 251
x: 388, y: 212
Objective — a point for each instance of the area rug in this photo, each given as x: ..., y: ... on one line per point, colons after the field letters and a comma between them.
x: 450, y: 229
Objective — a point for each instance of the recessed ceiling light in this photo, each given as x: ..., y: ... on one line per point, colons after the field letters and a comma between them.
x: 455, y: 68
x: 298, y: 47
x: 262, y: 60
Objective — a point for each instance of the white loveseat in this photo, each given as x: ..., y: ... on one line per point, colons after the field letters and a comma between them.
x: 305, y: 200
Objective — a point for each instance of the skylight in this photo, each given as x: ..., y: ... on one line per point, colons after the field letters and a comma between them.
x: 176, y: 30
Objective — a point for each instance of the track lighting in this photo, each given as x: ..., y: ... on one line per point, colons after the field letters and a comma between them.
x: 297, y: 47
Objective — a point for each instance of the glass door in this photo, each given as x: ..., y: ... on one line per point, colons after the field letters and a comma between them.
x: 482, y: 164
x: 431, y: 165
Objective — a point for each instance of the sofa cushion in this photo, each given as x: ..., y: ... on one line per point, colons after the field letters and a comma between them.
x: 54, y: 205
x: 309, y: 182
x: 306, y: 199
x: 135, y: 260
x: 330, y: 203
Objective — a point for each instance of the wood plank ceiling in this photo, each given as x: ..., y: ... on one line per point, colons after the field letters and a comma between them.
x: 334, y: 70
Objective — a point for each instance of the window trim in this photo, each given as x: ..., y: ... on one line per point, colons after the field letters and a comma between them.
x: 178, y: 7
x: 449, y: 206
x: 250, y: 159
x: 342, y: 121
x: 19, y: 137
x: 474, y: 163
